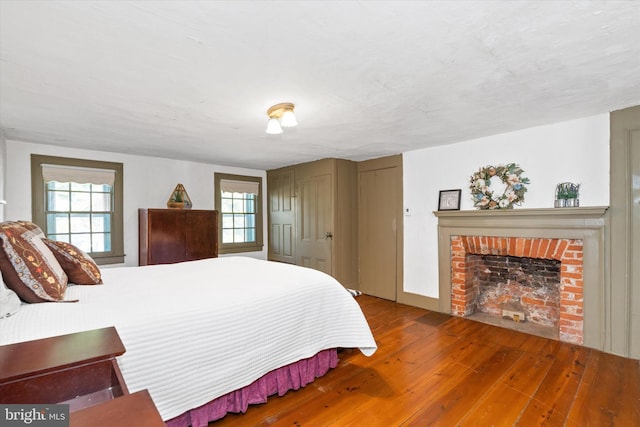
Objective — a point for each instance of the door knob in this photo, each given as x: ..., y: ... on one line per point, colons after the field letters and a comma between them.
x: 328, y: 235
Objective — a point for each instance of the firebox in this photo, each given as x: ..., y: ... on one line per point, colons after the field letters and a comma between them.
x: 535, y: 280
x: 520, y: 289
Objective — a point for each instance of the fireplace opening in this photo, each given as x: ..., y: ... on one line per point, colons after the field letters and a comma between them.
x: 533, y: 285
x: 518, y: 289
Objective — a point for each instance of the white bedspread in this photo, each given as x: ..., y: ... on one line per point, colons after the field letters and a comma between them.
x: 197, y: 330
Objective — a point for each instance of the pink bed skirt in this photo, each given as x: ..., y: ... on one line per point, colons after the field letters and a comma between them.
x: 281, y: 380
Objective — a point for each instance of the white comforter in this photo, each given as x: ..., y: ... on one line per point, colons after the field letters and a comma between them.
x: 197, y: 330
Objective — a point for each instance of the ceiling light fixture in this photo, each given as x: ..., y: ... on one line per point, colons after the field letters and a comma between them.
x: 281, y: 115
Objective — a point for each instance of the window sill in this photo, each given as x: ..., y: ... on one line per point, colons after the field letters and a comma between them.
x: 109, y: 259
x: 238, y: 249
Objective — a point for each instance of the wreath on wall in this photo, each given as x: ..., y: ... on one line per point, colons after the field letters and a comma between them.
x: 508, y: 177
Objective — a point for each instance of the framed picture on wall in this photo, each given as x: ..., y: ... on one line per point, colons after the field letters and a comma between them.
x: 449, y: 200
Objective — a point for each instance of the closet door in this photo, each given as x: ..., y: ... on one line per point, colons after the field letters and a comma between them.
x: 315, y: 225
x: 313, y: 217
x: 282, y: 215
x: 314, y: 200
x: 378, y: 232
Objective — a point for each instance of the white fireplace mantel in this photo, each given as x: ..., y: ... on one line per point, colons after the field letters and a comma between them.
x: 588, y: 224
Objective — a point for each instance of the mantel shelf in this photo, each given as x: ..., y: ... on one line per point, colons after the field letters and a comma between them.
x: 580, y: 212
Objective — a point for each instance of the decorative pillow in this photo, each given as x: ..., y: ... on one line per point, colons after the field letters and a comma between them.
x: 79, y: 267
x: 28, y: 267
x: 37, y: 231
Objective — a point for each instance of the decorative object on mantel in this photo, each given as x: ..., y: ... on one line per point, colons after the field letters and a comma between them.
x: 498, y: 187
x: 179, y: 198
x: 449, y: 200
x: 567, y: 195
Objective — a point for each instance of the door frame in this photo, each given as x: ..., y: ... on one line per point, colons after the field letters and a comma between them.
x: 622, y: 289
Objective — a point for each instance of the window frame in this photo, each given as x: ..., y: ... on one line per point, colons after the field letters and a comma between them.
x: 38, y: 201
x: 228, y: 248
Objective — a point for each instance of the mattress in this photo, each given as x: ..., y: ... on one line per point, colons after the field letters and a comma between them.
x: 200, y: 329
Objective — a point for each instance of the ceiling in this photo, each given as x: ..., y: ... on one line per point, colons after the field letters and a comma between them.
x: 192, y: 80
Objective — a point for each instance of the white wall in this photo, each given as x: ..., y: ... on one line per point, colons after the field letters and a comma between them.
x: 3, y: 171
x: 575, y: 151
x: 148, y: 183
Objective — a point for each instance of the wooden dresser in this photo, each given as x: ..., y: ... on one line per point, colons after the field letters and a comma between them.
x: 79, y: 370
x: 167, y: 236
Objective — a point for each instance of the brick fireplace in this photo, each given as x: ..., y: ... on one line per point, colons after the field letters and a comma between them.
x: 573, y: 237
x: 563, y: 313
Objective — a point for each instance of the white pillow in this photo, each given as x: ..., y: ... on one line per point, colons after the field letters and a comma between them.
x: 9, y: 301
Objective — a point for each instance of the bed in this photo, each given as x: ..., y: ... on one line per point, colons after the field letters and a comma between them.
x: 209, y: 336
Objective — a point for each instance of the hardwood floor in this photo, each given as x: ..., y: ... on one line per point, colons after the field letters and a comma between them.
x: 434, y: 369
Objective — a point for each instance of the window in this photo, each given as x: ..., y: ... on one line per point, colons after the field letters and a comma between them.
x: 80, y: 202
x: 238, y: 199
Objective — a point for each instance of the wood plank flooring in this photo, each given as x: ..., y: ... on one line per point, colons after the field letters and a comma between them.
x: 432, y: 369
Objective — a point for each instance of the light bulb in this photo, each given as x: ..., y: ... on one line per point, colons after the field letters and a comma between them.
x: 273, y: 127
x: 288, y: 119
